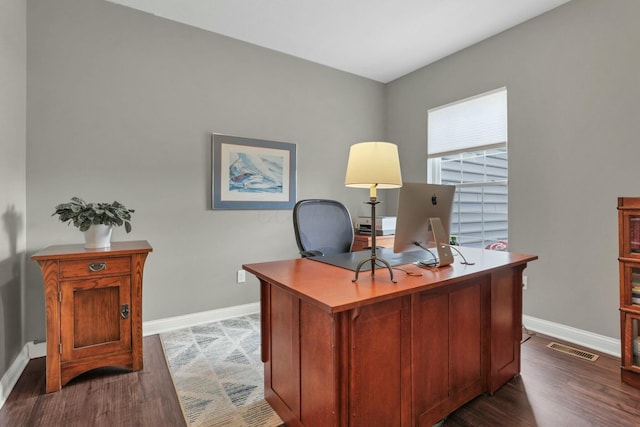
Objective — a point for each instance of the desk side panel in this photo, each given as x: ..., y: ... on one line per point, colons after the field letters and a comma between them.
x: 284, y: 360
x: 506, y: 326
x: 378, y: 370
x: 318, y: 367
x: 447, y: 349
x: 466, y: 375
x: 430, y: 351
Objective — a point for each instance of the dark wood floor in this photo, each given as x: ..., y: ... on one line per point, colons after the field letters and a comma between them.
x: 554, y: 390
x: 102, y: 397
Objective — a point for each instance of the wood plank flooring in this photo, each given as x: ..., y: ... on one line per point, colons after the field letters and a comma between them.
x: 102, y: 397
x: 554, y: 390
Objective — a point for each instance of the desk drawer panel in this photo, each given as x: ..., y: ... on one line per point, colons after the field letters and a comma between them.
x: 94, y: 267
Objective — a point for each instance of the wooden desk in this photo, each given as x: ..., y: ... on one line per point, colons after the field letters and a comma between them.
x: 361, y: 241
x: 374, y: 353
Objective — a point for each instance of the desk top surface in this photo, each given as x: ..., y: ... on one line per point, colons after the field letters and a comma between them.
x: 332, y: 288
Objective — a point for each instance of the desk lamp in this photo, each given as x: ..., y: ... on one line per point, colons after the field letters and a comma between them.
x: 373, y: 165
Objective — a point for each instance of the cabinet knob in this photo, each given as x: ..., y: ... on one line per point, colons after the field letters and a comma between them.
x: 97, y: 266
x: 124, y: 312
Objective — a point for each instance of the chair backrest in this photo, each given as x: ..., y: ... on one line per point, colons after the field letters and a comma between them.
x: 322, y: 227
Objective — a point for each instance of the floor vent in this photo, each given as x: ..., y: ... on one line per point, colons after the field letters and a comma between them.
x: 573, y: 351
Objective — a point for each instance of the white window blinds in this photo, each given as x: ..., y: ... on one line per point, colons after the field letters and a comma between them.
x: 479, y: 122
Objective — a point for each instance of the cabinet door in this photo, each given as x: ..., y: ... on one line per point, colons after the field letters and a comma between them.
x: 630, y: 285
x: 629, y: 229
x: 631, y: 342
x: 630, y: 348
x: 95, y: 317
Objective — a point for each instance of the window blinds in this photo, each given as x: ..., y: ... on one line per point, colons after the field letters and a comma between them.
x: 476, y: 123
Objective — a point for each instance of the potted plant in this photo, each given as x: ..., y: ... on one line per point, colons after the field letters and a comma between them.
x: 95, y: 219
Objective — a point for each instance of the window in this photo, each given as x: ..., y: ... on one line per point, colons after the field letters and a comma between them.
x: 467, y: 147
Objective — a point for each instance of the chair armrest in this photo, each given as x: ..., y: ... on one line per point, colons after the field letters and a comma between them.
x: 307, y: 254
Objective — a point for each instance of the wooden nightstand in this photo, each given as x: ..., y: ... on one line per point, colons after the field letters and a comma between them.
x: 361, y: 241
x: 93, y: 301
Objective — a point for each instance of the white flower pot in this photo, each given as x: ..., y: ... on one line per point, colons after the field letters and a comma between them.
x: 98, y: 236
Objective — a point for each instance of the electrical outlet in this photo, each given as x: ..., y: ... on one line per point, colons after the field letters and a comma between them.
x: 241, y: 276
x: 525, y: 282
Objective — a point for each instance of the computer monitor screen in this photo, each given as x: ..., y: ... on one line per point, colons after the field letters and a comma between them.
x: 417, y: 202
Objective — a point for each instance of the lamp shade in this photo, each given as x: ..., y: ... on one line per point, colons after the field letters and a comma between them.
x: 373, y: 164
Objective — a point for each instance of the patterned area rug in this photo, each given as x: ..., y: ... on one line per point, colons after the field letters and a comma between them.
x: 218, y: 374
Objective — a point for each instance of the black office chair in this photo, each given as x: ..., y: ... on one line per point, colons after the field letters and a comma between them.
x: 322, y: 227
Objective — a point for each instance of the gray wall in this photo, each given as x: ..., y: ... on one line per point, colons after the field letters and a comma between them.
x: 13, y: 116
x: 121, y: 106
x: 573, y: 80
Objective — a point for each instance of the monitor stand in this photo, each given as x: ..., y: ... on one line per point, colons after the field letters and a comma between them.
x: 445, y: 257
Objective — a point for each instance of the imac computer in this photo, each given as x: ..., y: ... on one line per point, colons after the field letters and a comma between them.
x: 424, y: 214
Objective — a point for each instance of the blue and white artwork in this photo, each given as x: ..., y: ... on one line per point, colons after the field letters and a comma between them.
x: 255, y: 173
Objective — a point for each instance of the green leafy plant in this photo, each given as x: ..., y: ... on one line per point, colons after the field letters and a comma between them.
x: 83, y: 214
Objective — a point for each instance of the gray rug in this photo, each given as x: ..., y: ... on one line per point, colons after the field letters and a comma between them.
x: 218, y: 374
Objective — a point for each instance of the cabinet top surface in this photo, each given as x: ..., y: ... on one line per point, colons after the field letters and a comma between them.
x: 332, y: 288
x: 79, y: 251
x: 628, y: 202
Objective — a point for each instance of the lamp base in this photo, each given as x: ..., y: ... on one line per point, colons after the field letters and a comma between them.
x: 373, y: 258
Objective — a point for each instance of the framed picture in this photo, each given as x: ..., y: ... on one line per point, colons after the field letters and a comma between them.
x: 252, y: 173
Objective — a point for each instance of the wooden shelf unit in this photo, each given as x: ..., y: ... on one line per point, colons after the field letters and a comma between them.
x: 93, y: 301
x: 629, y: 263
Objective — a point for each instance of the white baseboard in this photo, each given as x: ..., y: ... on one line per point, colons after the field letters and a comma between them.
x: 10, y: 378
x: 37, y: 350
x: 583, y: 338
x: 163, y: 325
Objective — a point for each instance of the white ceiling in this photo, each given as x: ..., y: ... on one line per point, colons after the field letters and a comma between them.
x: 378, y: 39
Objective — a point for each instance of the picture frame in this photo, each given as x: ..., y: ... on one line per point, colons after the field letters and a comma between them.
x: 249, y: 173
